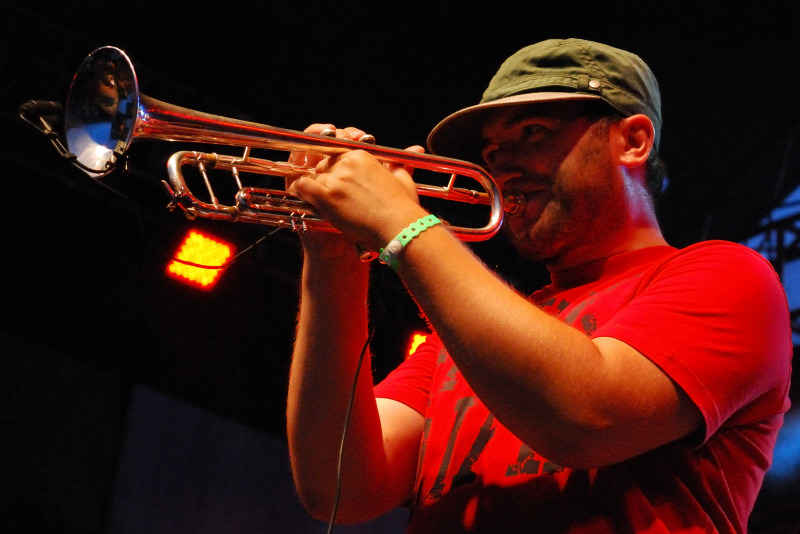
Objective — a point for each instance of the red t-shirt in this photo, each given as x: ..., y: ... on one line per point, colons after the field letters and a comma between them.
x: 712, y: 316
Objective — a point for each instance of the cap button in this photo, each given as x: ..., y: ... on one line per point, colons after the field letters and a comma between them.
x: 594, y: 83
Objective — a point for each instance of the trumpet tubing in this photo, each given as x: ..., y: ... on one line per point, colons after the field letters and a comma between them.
x: 105, y: 113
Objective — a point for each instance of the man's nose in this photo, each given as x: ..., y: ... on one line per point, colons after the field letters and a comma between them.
x: 503, y: 168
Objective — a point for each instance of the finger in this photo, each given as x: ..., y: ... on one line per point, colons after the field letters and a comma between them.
x: 319, y: 128
x: 308, y: 188
x: 356, y: 134
x: 322, y: 164
x: 305, y: 159
x: 359, y: 135
x: 325, y: 164
x: 393, y: 167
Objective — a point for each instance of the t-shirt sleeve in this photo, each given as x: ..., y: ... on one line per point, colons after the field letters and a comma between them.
x: 715, y: 319
x: 410, y: 382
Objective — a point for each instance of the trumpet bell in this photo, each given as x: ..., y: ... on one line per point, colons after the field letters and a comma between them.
x: 101, y: 110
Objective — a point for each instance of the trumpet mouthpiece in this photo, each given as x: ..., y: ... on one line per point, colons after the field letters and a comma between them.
x: 514, y: 203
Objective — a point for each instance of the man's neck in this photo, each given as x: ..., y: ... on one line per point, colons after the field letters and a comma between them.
x: 638, y: 238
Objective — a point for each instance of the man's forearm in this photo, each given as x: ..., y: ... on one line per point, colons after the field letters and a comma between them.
x: 332, y: 332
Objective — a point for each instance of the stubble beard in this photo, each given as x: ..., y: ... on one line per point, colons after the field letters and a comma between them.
x: 580, y: 218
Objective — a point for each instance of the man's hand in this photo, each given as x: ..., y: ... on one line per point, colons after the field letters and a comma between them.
x: 365, y: 199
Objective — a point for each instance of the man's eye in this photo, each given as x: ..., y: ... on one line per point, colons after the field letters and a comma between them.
x: 529, y: 130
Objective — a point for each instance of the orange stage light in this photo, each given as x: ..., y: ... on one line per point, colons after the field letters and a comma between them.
x: 418, y: 339
x: 199, y: 260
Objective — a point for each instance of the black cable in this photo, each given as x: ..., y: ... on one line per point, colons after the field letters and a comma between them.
x: 236, y: 256
x: 345, y: 428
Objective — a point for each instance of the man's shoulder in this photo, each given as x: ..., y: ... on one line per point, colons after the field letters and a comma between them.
x: 722, y: 267
x: 717, y: 254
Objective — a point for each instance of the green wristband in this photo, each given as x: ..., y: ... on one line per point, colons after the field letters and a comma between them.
x: 389, y: 253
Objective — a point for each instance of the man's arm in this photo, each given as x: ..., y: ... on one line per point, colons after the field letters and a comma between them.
x: 577, y: 401
x: 383, y: 436
x: 380, y: 455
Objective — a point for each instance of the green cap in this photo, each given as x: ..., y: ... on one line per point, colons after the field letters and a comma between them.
x: 553, y: 70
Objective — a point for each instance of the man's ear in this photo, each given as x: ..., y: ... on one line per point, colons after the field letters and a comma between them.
x: 634, y: 137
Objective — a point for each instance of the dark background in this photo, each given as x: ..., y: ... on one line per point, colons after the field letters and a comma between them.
x: 98, y: 345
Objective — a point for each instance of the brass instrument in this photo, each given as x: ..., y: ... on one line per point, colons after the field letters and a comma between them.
x: 105, y: 113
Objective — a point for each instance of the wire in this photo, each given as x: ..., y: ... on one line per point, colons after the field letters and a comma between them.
x: 236, y: 256
x: 345, y: 428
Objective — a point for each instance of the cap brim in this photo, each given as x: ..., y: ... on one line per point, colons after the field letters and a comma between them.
x: 459, y: 135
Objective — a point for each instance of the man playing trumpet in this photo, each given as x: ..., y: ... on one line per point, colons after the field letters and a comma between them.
x: 641, y: 391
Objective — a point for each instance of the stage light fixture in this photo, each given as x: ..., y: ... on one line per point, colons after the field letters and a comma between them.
x: 416, y: 342
x: 200, y: 260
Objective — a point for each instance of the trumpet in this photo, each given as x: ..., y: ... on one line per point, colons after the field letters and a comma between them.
x: 105, y: 113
